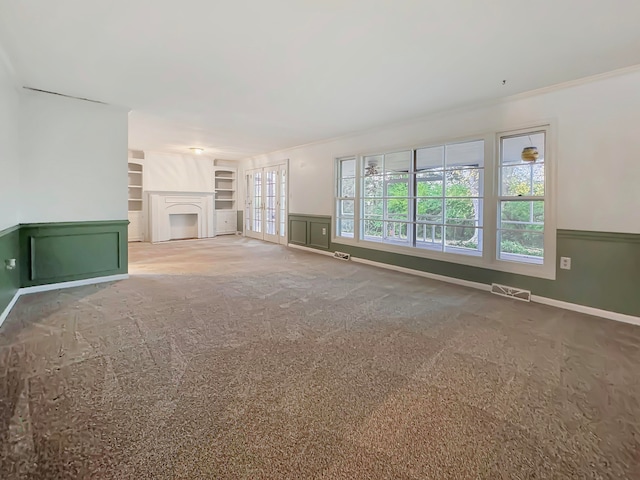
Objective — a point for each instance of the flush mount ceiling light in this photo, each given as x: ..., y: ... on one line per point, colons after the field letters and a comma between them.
x: 197, y: 150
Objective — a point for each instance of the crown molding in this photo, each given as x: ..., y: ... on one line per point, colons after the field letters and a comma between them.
x: 468, y: 107
x: 619, y: 72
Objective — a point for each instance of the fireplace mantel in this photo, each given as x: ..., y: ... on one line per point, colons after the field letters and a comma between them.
x: 163, y: 204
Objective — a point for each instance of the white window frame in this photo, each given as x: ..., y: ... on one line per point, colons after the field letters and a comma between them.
x: 548, y: 268
x: 339, y: 198
x: 385, y: 201
x: 489, y: 258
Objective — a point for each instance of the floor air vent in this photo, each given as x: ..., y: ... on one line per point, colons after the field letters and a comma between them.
x: 511, y: 292
x: 341, y: 255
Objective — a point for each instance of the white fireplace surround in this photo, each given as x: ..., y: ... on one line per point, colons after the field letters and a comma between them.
x: 163, y: 204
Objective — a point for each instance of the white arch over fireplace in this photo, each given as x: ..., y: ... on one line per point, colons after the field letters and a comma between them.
x: 164, y: 204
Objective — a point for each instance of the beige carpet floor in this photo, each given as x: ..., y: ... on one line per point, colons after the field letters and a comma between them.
x: 234, y: 358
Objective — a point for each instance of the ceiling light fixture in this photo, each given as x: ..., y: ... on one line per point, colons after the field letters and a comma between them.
x: 197, y: 150
x: 529, y: 154
x: 371, y: 169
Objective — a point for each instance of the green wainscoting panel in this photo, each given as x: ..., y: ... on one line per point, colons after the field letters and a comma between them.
x: 605, y: 270
x: 9, y: 279
x: 240, y: 224
x: 61, y: 252
x: 297, y: 231
x: 319, y: 234
x: 310, y: 230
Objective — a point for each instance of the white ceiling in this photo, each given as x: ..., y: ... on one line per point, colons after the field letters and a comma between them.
x: 245, y: 77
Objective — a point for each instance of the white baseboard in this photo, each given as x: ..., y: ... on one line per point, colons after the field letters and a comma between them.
x: 618, y: 317
x: 74, y: 283
x: 596, y: 312
x: 58, y: 286
x: 6, y: 311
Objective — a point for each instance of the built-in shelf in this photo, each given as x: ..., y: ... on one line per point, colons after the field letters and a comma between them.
x: 135, y: 216
x: 224, y: 180
x: 135, y: 187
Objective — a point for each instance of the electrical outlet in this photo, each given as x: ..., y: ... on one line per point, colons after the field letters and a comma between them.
x: 565, y: 263
x: 324, y: 230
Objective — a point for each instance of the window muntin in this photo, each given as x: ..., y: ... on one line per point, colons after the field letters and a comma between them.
x: 439, y: 203
x: 449, y: 194
x: 521, y: 199
x: 425, y: 198
x: 346, y: 195
x: 283, y: 202
x: 386, y: 208
x: 257, y: 204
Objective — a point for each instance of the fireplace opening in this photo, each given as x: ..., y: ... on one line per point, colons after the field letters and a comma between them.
x: 183, y: 225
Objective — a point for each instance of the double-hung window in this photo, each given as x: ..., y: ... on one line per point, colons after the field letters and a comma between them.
x: 449, y: 197
x: 346, y: 197
x: 386, y: 209
x: 429, y: 198
x: 445, y: 201
x: 521, y: 200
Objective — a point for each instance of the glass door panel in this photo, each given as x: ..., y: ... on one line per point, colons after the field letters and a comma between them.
x: 283, y: 204
x: 271, y: 207
x: 265, y: 207
x: 253, y: 207
x: 257, y: 202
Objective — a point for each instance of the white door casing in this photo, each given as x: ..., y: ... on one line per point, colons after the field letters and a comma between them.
x: 265, y: 203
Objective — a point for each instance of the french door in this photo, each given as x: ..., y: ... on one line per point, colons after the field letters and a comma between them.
x: 266, y: 203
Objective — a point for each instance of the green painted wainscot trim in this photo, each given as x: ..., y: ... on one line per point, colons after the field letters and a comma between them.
x: 310, y: 231
x: 9, y: 279
x: 605, y: 270
x: 63, y: 252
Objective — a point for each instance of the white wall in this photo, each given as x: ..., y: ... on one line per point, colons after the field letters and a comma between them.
x: 177, y: 173
x: 597, y: 150
x: 73, y: 160
x: 9, y: 163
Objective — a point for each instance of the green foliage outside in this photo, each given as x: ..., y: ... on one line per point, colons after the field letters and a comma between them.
x: 516, y: 240
x: 460, y: 212
x: 461, y: 209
